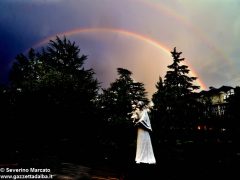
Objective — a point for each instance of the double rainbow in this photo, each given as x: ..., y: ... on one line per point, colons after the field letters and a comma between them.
x: 122, y: 32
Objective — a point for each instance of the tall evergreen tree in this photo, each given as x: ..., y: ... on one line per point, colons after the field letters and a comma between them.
x: 116, y: 103
x: 121, y: 95
x: 174, y: 104
x: 177, y: 81
x: 158, y: 97
x: 176, y: 85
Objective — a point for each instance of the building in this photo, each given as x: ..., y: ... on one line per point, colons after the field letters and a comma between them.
x: 216, y: 98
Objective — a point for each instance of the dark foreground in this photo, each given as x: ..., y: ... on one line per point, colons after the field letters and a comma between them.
x: 179, y: 161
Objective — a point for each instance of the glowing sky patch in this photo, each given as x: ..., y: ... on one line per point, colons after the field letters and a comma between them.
x: 159, y: 6
x: 207, y: 32
x: 146, y: 39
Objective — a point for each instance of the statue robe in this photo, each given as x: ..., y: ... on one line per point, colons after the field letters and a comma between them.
x: 144, y: 150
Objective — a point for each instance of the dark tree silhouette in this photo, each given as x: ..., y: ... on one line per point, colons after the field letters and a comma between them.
x: 116, y: 103
x: 159, y: 98
x: 177, y: 81
x: 54, y: 95
x: 174, y: 104
x: 234, y: 103
x: 233, y: 115
x: 121, y: 94
x: 7, y: 151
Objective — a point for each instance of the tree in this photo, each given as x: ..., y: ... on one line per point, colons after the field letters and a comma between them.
x: 8, y: 150
x: 58, y: 66
x: 177, y: 81
x: 54, y: 95
x: 233, y: 114
x: 158, y: 97
x: 177, y: 84
x: 122, y: 94
x: 116, y: 103
x: 174, y: 103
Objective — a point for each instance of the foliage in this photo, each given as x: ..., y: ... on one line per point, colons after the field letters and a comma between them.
x: 51, y: 95
x: 175, y: 106
x: 118, y: 99
x: 233, y: 113
x: 177, y: 82
x: 54, y: 95
x: 116, y: 103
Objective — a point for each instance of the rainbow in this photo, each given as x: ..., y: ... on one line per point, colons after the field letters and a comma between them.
x: 141, y: 37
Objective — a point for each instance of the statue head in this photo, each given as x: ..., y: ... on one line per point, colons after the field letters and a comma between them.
x: 140, y: 104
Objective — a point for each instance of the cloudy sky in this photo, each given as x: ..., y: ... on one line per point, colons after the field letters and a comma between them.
x: 133, y: 34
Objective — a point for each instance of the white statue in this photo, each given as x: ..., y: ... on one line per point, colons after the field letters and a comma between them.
x: 144, y: 151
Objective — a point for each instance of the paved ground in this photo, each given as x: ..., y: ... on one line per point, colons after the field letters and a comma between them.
x: 77, y: 172
x: 167, y: 171
x: 174, y: 162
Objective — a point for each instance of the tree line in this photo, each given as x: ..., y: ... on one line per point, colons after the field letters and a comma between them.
x: 52, y: 98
